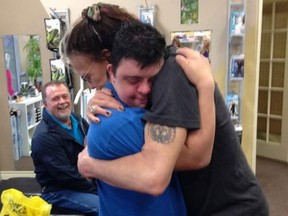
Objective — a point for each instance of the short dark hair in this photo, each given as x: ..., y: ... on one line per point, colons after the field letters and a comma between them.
x: 51, y: 83
x: 140, y: 42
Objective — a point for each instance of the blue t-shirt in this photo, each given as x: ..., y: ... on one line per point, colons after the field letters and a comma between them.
x: 120, y: 135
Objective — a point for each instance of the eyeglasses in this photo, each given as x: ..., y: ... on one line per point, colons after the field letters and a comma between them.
x: 83, y: 77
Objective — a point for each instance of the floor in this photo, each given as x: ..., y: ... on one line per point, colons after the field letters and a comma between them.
x: 24, y: 164
x: 273, y: 178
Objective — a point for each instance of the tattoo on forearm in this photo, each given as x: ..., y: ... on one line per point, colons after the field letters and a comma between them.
x: 160, y: 133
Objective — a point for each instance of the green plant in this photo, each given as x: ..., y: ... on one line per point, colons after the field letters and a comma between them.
x: 57, y: 74
x: 33, y: 59
x: 24, y: 89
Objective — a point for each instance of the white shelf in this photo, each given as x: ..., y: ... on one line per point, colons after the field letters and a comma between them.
x: 30, y: 110
x: 237, y: 35
x: 32, y: 126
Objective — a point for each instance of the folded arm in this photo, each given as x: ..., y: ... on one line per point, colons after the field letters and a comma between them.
x: 197, y: 151
x: 150, y: 170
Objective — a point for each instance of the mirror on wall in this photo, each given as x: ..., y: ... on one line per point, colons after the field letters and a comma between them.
x: 23, y: 69
x: 22, y: 63
x: 197, y: 40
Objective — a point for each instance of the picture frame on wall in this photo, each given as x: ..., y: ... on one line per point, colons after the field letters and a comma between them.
x: 57, y: 70
x: 237, y: 23
x: 232, y: 102
x: 189, y: 11
x: 237, y: 67
x: 63, y: 15
x: 192, y: 39
x: 146, y: 15
x: 53, y: 31
x: 60, y: 72
x: 198, y: 40
x: 55, y: 27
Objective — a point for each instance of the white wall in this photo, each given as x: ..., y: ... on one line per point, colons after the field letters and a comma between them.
x: 212, y: 16
x: 26, y: 17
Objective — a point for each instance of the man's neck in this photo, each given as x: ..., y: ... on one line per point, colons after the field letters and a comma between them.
x: 67, y: 122
x: 63, y: 121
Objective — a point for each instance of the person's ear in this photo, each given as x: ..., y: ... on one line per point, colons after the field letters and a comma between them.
x: 109, y: 69
x: 106, y: 54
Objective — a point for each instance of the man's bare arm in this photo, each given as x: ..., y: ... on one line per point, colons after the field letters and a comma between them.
x: 197, y: 151
x: 148, y: 171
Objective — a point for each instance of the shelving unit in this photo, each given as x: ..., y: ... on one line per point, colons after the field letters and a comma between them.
x: 235, y: 65
x: 29, y: 113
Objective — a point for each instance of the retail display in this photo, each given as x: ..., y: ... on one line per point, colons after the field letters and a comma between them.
x: 235, y: 69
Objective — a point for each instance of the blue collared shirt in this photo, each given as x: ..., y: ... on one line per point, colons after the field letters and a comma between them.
x: 74, y: 130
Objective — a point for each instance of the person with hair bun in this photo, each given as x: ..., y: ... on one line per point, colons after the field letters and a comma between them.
x: 87, y: 44
x: 207, y: 167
